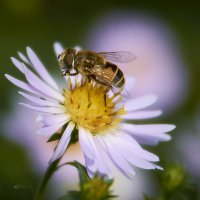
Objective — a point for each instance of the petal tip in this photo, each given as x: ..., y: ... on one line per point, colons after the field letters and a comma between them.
x: 171, y: 127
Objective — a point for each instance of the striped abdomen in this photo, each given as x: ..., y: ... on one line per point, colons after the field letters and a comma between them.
x: 116, y: 75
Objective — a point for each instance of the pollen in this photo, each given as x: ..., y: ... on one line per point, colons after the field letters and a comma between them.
x: 89, y: 105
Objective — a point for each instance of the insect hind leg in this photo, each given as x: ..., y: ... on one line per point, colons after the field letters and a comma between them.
x: 90, y: 77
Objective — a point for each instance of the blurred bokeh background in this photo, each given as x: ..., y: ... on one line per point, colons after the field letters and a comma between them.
x: 165, y: 36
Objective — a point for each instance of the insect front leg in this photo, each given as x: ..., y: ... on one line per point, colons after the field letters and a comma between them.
x: 73, y: 74
x: 64, y: 73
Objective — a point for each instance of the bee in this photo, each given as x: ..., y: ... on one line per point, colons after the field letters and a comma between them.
x: 98, y: 67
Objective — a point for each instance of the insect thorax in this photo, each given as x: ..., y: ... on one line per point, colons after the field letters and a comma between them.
x: 86, y: 60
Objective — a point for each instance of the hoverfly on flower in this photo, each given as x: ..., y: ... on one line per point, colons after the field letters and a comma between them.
x: 98, y: 67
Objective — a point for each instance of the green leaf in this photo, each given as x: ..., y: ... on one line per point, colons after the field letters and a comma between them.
x: 83, y: 176
x: 74, y: 136
x: 49, y: 172
x: 57, y: 136
x: 54, y: 137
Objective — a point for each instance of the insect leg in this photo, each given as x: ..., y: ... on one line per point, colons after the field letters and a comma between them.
x: 65, y: 72
x: 99, y: 82
x: 116, y: 91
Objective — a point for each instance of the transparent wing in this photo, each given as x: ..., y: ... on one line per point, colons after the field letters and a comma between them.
x: 118, y: 56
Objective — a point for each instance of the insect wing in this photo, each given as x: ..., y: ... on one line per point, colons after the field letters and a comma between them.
x: 101, y: 76
x: 118, y: 56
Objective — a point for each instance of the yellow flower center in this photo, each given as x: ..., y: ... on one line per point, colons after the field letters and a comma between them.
x: 89, y: 106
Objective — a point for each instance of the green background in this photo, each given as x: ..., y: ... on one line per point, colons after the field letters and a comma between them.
x: 39, y: 23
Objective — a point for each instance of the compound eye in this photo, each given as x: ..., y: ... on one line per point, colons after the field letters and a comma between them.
x: 58, y: 56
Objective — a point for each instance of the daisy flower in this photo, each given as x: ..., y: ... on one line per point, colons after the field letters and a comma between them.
x: 104, y: 129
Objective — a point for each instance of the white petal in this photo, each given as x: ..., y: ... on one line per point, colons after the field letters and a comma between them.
x: 21, y: 84
x: 101, y: 166
x: 85, y: 142
x: 31, y: 76
x: 53, y: 110
x: 58, y: 48
x: 158, y: 167
x: 74, y: 79
x: 78, y: 48
x: 132, y: 158
x: 146, y: 138
x: 39, y: 118
x: 134, y: 148
x: 50, y: 130
x: 39, y: 101
x: 40, y: 85
x: 97, y: 163
x: 18, y: 64
x: 23, y: 57
x: 128, y: 88
x: 63, y: 143
x: 54, y: 119
x: 141, y: 102
x: 151, y: 139
x: 118, y: 159
x: 142, y: 115
x: 39, y: 67
x: 153, y: 128
x: 130, y: 82
x: 91, y: 165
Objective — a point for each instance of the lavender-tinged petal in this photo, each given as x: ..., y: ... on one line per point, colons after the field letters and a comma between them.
x: 40, y: 68
x: 128, y: 88
x: 58, y: 48
x: 91, y: 165
x: 131, y: 144
x: 85, y: 143
x: 158, y: 167
x: 39, y: 100
x: 53, y: 110
x: 130, y: 157
x: 142, y: 115
x: 153, y: 128
x: 23, y: 57
x: 102, y: 154
x: 130, y: 82
x: 100, y: 163
x: 53, y: 119
x: 117, y: 159
x: 63, y: 143
x: 31, y: 75
x: 40, y: 85
x: 140, y: 103
x: 50, y: 130
x: 21, y: 84
x: 151, y: 139
x: 18, y: 64
x: 146, y: 138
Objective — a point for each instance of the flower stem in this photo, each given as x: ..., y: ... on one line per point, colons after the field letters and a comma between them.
x: 39, y: 195
x: 49, y: 172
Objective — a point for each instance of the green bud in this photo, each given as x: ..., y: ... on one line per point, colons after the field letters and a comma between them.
x: 96, y: 188
x: 174, y: 178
